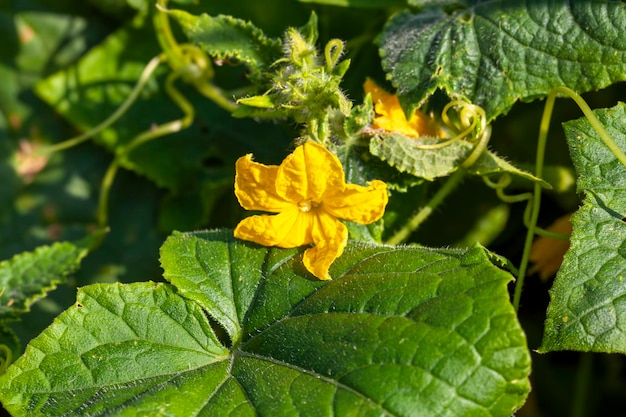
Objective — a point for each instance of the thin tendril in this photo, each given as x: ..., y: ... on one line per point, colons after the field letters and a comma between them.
x: 478, y: 149
x: 170, y: 127
x: 470, y: 115
x: 143, y: 79
x: 552, y: 235
x: 332, y: 53
x: 167, y: 128
x: 503, y: 182
x: 535, y: 202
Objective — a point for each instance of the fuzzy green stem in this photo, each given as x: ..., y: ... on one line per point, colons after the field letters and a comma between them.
x: 143, y: 79
x: 6, y: 358
x: 216, y: 95
x: 403, y: 234
x: 535, y: 202
x: 581, y: 388
x: 165, y: 37
x: 595, y: 123
x: 105, y: 191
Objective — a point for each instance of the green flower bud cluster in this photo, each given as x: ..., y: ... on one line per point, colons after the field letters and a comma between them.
x: 305, y: 85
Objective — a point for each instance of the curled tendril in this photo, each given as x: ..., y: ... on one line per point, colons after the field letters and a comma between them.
x: 504, y: 181
x: 332, y: 53
x: 470, y: 122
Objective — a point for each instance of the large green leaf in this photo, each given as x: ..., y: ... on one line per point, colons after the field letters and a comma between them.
x: 497, y: 52
x: 400, y: 331
x: 586, y: 310
x: 152, y: 340
x: 29, y: 275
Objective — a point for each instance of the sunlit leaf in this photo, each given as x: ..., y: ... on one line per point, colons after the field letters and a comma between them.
x: 399, y: 332
x: 29, y: 275
x: 587, y: 307
x: 497, y: 52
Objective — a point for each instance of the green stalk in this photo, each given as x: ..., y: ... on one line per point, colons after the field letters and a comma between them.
x: 581, y: 386
x: 595, y: 123
x: 165, y: 37
x: 143, y: 79
x: 535, y: 202
x: 105, y: 191
x: 403, y: 234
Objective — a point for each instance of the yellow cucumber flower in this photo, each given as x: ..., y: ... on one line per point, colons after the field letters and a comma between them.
x: 309, y: 194
x: 391, y: 117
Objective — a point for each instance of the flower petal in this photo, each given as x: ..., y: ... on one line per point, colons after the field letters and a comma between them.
x: 357, y: 203
x: 308, y: 172
x: 391, y: 117
x: 330, y: 237
x: 289, y: 229
x: 255, y: 186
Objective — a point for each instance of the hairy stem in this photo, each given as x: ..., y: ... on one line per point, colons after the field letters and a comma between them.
x: 535, y: 202
x: 595, y: 123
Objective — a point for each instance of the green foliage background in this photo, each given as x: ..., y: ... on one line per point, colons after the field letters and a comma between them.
x: 65, y: 66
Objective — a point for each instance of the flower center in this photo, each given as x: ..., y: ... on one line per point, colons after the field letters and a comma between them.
x: 307, y: 205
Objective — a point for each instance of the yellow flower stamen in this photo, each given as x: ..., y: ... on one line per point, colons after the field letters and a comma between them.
x: 307, y: 205
x: 308, y: 194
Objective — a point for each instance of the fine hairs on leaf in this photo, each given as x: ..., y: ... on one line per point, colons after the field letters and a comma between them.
x: 388, y: 320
